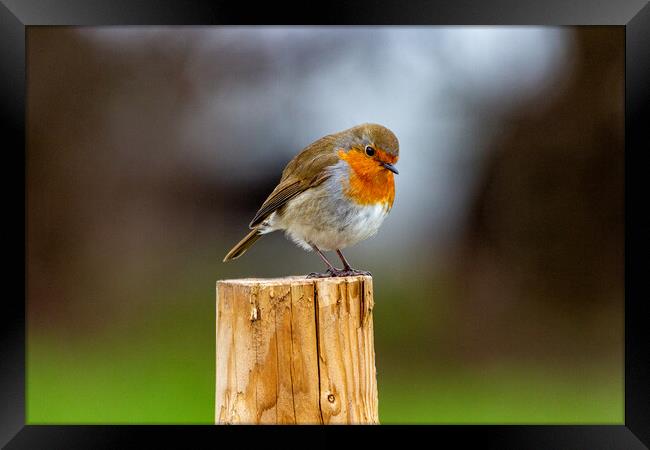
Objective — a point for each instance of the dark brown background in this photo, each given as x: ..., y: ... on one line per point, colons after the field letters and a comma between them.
x: 149, y: 150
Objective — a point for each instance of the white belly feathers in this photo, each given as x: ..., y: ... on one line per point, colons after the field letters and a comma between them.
x: 340, y: 222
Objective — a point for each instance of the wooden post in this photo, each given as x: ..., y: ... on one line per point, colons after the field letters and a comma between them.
x: 296, y: 351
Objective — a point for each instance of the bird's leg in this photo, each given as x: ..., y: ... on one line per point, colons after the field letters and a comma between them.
x: 331, y: 270
x: 346, y: 264
x: 347, y: 269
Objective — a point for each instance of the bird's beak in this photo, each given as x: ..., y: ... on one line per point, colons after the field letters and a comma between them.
x: 390, y: 167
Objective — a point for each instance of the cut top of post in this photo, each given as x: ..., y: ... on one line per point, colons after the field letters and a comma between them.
x: 291, y: 279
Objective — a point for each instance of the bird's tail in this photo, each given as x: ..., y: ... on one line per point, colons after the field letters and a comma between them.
x: 243, y: 245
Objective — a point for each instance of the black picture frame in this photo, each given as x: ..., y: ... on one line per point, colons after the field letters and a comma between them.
x: 634, y: 15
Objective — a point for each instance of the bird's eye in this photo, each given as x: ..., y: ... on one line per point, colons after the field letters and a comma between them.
x: 370, y: 151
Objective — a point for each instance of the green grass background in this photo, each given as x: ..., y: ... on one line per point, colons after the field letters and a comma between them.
x: 162, y: 372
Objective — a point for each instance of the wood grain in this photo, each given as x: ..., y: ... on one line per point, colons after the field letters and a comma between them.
x: 295, y: 351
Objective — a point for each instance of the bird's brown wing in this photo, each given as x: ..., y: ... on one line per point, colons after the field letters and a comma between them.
x: 284, y: 192
x: 305, y: 171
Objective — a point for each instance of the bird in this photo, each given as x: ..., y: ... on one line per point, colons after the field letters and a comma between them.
x: 333, y: 194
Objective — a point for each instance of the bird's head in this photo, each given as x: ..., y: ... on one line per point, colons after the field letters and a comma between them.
x: 370, y: 149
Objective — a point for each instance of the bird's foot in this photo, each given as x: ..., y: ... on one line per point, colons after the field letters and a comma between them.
x: 350, y: 272
x: 329, y: 273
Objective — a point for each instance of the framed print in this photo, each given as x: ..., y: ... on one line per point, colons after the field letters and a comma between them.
x: 414, y: 214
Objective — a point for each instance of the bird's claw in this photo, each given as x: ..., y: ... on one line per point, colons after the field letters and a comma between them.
x: 329, y: 273
x: 350, y: 272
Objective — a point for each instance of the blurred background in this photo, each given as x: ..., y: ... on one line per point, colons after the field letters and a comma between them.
x: 498, y: 275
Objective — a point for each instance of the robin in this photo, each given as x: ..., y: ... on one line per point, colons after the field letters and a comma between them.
x: 336, y: 192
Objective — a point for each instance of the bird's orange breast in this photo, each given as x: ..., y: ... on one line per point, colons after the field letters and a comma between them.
x: 369, y: 183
